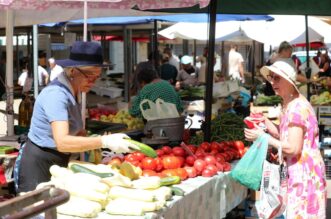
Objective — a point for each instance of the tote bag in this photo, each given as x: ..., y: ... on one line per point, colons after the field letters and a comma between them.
x: 248, y: 171
x: 273, y: 192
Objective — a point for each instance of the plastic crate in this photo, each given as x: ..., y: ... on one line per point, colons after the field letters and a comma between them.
x: 111, y: 92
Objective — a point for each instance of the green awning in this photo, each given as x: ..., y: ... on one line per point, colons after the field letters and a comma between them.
x: 285, y: 7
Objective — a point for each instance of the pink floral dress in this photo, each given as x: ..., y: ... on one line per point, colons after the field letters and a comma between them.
x: 306, y: 195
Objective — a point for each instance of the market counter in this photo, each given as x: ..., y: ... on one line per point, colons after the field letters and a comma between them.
x: 210, y: 198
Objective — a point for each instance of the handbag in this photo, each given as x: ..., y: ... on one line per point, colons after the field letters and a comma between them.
x: 248, y: 171
x: 273, y: 192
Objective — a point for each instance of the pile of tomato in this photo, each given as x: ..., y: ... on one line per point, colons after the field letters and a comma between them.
x: 204, y: 160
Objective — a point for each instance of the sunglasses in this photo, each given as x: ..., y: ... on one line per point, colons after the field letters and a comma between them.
x: 273, y: 77
x: 88, y: 74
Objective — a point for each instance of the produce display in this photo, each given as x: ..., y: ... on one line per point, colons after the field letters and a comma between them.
x: 224, y: 127
x: 112, y: 116
x: 191, y: 92
x: 322, y: 99
x: 94, y: 188
x: 203, y: 160
x: 262, y: 100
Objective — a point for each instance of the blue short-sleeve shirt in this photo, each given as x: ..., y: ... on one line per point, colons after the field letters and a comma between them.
x: 54, y: 103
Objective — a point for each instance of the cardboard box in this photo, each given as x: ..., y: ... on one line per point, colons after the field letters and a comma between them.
x: 254, y: 195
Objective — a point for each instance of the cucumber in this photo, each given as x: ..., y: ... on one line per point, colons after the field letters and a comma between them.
x: 170, y: 180
x: 143, y: 148
x: 80, y: 169
x: 177, y: 191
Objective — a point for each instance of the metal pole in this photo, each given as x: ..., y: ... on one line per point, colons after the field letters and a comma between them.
x: 210, y: 70
x: 9, y: 73
x: 308, y: 69
x: 35, y: 59
x: 155, y: 42
x: 194, y: 52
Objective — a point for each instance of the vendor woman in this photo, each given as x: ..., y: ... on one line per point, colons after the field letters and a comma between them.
x: 153, y: 88
x: 56, y: 125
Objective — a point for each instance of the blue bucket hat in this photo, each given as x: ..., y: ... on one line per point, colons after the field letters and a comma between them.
x: 83, y: 54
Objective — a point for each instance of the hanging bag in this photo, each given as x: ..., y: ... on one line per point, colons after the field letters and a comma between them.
x: 273, y: 192
x: 248, y: 171
x: 158, y: 110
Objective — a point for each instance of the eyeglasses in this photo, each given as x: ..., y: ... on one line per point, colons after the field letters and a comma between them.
x: 88, y: 75
x: 273, y: 77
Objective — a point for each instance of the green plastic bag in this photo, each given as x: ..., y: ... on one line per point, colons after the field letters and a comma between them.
x: 248, y: 170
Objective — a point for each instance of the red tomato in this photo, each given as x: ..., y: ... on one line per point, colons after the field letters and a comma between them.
x: 190, y: 160
x: 192, y: 148
x: 161, y: 175
x: 219, y: 166
x: 211, y: 167
x: 219, y: 158
x: 159, y: 165
x: 182, y: 160
x: 205, y: 146
x: 208, y: 173
x: 135, y: 163
x: 213, y: 152
x: 191, y: 172
x: 166, y: 149
x: 199, y: 152
x: 149, y: 173
x: 227, y: 166
x: 178, y: 151
x: 130, y: 157
x: 148, y: 163
x: 210, y: 159
x: 199, y: 165
x: 171, y: 162
x: 214, y: 146
x: 170, y: 172
x: 115, y: 161
x: 181, y: 172
x: 159, y: 152
x: 139, y: 156
x: 239, y: 145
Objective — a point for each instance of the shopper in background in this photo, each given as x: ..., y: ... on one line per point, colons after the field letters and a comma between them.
x: 153, y: 88
x: 43, y: 76
x: 25, y: 80
x: 153, y: 60
x: 298, y: 136
x: 188, y: 75
x: 168, y: 72
x: 56, y: 126
x: 55, y: 70
x: 236, y: 65
x: 325, y: 69
x: 173, y: 59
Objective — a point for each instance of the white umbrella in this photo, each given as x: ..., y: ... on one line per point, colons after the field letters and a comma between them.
x: 28, y: 12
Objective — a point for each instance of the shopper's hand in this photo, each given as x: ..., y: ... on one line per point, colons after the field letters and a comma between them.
x: 253, y: 134
x: 117, y: 143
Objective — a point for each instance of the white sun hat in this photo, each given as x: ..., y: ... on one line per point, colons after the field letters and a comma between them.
x: 284, y: 68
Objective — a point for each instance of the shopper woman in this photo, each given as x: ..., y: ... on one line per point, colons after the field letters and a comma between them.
x: 298, y: 136
x: 56, y: 125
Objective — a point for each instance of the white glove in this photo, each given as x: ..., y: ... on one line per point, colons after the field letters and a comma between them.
x: 117, y: 143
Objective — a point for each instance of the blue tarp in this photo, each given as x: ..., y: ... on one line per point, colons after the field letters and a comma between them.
x: 195, y: 18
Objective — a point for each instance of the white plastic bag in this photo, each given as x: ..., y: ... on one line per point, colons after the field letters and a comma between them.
x: 158, y: 110
x: 273, y: 189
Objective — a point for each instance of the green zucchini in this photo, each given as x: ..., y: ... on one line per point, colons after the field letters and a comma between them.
x: 143, y: 148
x: 80, y: 169
x: 170, y: 180
x: 177, y: 191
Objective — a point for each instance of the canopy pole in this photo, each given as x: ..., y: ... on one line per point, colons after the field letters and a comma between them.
x: 35, y: 60
x: 308, y: 69
x: 9, y: 72
x: 83, y: 103
x: 210, y: 70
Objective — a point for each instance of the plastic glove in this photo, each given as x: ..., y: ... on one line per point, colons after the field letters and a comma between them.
x: 253, y: 134
x: 117, y: 143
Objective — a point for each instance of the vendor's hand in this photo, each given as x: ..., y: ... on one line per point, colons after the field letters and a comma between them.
x: 117, y: 143
x: 253, y: 134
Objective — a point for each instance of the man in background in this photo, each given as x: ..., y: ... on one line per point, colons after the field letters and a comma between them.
x: 173, y: 59
x: 55, y: 69
x: 236, y: 64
